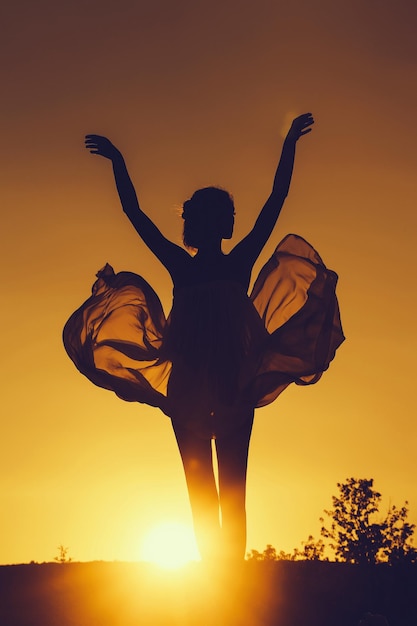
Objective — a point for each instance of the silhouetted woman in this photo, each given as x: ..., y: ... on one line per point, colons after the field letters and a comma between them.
x: 221, y: 353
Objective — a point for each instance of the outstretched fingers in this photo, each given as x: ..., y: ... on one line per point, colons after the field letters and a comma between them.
x: 301, y: 126
x: 97, y: 144
x: 92, y: 142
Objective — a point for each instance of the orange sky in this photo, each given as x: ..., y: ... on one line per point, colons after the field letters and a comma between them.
x: 196, y: 93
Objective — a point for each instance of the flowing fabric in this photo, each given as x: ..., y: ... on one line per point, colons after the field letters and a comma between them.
x: 220, y: 351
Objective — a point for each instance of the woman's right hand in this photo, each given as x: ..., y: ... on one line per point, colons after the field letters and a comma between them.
x: 102, y: 146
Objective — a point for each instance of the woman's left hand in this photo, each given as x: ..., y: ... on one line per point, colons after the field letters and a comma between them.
x: 97, y: 144
x: 301, y: 126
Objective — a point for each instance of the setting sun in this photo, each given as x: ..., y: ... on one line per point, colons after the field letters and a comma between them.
x: 169, y: 545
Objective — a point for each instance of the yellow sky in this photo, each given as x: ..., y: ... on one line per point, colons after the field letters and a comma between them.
x: 197, y: 93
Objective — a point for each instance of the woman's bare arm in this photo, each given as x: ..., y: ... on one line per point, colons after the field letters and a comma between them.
x: 251, y: 246
x: 166, y: 251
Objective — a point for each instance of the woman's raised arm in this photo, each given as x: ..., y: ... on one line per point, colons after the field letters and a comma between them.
x: 251, y: 246
x: 166, y: 251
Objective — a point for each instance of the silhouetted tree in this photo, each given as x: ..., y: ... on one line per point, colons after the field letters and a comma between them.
x: 62, y: 555
x: 357, y: 537
x: 286, y: 556
x: 354, y: 537
x: 397, y: 547
x: 254, y: 555
x: 312, y: 550
x: 270, y: 554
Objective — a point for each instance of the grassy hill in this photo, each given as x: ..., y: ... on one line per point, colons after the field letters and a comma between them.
x: 279, y: 593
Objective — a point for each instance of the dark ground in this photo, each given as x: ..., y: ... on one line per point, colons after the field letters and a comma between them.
x: 256, y: 594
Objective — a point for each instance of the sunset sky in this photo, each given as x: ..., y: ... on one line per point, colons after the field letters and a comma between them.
x: 197, y: 93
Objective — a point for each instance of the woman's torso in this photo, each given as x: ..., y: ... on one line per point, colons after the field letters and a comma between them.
x: 214, y: 338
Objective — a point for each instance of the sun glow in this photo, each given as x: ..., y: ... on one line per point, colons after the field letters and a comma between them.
x: 169, y: 545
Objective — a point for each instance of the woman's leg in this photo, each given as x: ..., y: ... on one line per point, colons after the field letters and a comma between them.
x: 197, y: 460
x: 232, y: 457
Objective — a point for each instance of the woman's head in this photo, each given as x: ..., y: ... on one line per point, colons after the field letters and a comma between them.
x: 208, y: 215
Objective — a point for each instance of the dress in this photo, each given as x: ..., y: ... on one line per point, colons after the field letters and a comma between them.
x: 219, y: 351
